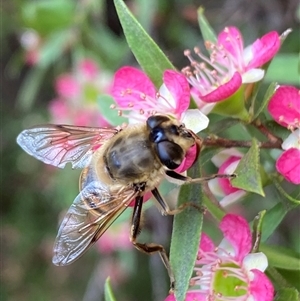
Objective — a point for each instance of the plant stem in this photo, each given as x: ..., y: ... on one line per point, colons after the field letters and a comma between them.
x: 264, y: 130
x: 214, y: 141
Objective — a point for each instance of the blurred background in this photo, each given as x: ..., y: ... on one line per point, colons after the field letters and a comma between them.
x: 56, y: 58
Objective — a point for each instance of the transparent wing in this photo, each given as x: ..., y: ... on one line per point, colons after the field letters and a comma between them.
x: 91, y: 213
x: 60, y: 144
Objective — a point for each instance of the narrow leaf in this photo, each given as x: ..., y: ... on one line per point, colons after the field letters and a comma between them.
x: 187, y: 227
x: 150, y: 57
x: 292, y: 278
x: 270, y: 91
x: 109, y: 48
x: 284, y: 69
x: 53, y: 48
x: 216, y: 211
x: 30, y: 87
x: 257, y: 230
x: 108, y: 293
x: 287, y: 294
x: 248, y: 171
x: 206, y: 30
x: 280, y: 257
x: 272, y: 219
x: 48, y: 15
x: 294, y: 200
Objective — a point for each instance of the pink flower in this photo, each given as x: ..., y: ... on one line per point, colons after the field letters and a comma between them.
x: 133, y: 91
x: 78, y: 93
x: 288, y: 164
x: 211, y: 84
x: 190, y: 296
x: 227, y: 161
x: 59, y: 110
x: 116, y: 238
x: 31, y: 42
x: 89, y: 68
x: 284, y: 107
x: 67, y: 86
x: 229, y: 271
x: 246, y: 60
x: 230, y: 64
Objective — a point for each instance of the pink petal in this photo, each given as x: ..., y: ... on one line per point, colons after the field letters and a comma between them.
x: 171, y: 297
x: 224, y: 91
x: 89, y: 68
x: 59, y: 110
x: 225, y: 183
x: 231, y: 39
x: 89, y: 117
x: 189, y: 159
x: 288, y: 164
x: 261, y: 288
x: 84, y: 118
x: 206, y: 244
x: 130, y: 86
x: 190, y: 296
x: 193, y: 296
x: 32, y: 57
x: 179, y: 88
x: 236, y: 230
x: 264, y: 49
x: 284, y: 106
x: 67, y: 86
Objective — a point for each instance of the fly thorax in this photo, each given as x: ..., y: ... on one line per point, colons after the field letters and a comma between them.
x: 131, y: 159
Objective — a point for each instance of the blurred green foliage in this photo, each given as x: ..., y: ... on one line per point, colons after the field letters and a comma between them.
x: 34, y: 196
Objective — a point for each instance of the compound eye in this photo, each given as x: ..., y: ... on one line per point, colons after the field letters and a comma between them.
x: 170, y: 154
x: 157, y: 135
x: 156, y: 120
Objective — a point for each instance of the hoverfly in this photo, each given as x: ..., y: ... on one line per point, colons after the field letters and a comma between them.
x: 119, y: 166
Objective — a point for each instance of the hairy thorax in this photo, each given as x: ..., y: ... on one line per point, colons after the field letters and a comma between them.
x: 129, y: 158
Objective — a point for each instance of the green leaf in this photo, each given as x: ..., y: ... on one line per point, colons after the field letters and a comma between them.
x: 109, y: 48
x: 248, y: 171
x: 111, y: 115
x: 282, y: 258
x: 206, y: 30
x: 272, y: 219
x: 257, y: 229
x: 218, y: 127
x: 287, y: 294
x: 187, y: 227
x: 292, y: 277
x: 289, y: 197
x: 261, y: 105
x: 30, y: 87
x: 150, y: 57
x: 284, y: 69
x: 216, y: 211
x: 48, y: 15
x: 108, y: 293
x: 53, y: 47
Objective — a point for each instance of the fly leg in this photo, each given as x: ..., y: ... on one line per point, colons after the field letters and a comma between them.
x: 148, y: 248
x: 188, y: 180
x: 173, y: 174
x: 165, y: 208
